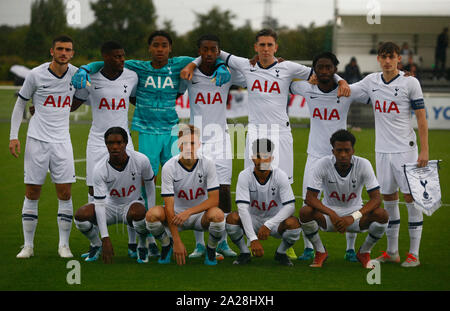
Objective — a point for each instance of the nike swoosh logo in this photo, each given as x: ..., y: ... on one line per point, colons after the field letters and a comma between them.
x: 175, y: 180
x: 331, y: 182
x: 45, y: 86
x: 108, y: 182
x: 312, y: 97
x: 195, y: 82
x: 252, y: 70
x: 97, y: 87
x: 373, y: 90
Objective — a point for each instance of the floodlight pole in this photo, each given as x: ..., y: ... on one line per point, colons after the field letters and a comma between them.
x: 335, y: 17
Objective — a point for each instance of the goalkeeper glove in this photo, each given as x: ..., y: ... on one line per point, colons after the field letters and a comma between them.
x: 81, y: 78
x: 222, y: 75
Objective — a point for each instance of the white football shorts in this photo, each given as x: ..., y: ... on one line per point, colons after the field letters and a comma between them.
x: 390, y: 172
x: 258, y: 222
x: 354, y: 227
x: 220, y: 153
x: 117, y: 214
x: 194, y: 222
x: 311, y: 162
x: 41, y: 157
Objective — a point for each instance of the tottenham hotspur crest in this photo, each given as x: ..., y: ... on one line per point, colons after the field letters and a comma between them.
x: 200, y: 176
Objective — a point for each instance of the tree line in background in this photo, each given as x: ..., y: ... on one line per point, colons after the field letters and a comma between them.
x: 130, y: 23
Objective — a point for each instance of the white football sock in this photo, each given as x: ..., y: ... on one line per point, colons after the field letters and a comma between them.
x: 65, y: 215
x: 288, y: 239
x: 158, y: 230
x: 199, y: 237
x: 29, y: 220
x: 224, y: 235
x: 90, y: 231
x: 141, y: 230
x: 131, y: 235
x: 311, y: 230
x: 236, y: 235
x: 307, y: 242
x: 393, y: 228
x: 216, y: 230
x: 376, y: 231
x: 350, y: 238
x: 415, y: 225
x: 90, y: 198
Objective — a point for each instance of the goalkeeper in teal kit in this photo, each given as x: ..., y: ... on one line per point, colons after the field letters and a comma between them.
x: 155, y: 117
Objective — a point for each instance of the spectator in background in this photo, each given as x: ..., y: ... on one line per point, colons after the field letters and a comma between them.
x: 440, y: 54
x: 405, y: 53
x: 412, y: 68
x: 352, y: 73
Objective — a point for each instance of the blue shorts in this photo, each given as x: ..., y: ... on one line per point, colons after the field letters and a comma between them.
x: 159, y: 148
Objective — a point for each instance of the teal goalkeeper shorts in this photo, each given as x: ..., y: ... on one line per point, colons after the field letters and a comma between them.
x: 158, y: 148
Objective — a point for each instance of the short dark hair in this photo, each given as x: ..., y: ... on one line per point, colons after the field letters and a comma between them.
x: 159, y: 33
x: 388, y: 48
x: 208, y: 37
x: 262, y: 145
x: 328, y: 55
x: 62, y: 38
x: 266, y: 33
x: 342, y: 136
x: 109, y: 46
x: 117, y: 130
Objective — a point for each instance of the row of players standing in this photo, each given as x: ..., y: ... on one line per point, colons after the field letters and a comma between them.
x: 270, y: 82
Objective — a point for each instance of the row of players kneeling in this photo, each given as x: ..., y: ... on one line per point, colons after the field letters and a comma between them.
x: 264, y: 198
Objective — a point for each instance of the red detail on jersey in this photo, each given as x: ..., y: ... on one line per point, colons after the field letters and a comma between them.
x: 335, y: 195
x: 180, y: 102
x: 265, y: 88
x: 51, y: 101
x: 122, y: 192
x: 334, y: 114
x: 302, y: 104
x: 184, y: 195
x: 262, y: 206
x: 392, y: 107
x: 201, y: 99
x: 291, y: 99
x: 104, y: 104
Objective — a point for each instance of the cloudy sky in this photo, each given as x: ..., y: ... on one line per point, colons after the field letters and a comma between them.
x: 289, y: 13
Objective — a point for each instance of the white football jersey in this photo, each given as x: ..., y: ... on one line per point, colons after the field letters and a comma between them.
x: 393, y: 104
x: 268, y: 88
x: 208, y: 104
x: 188, y: 187
x: 109, y: 101
x: 124, y: 186
x: 52, y: 99
x: 342, y: 193
x: 327, y: 113
x: 265, y: 200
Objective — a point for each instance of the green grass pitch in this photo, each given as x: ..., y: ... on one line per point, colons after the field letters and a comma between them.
x: 46, y: 271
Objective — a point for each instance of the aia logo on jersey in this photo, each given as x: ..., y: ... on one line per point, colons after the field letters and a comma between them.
x: 158, y: 83
x: 120, y: 193
x: 265, y: 87
x: 386, y: 108
x: 50, y: 101
x: 106, y: 105
x: 262, y: 206
x: 209, y: 100
x: 190, y: 194
x: 333, y: 114
x: 343, y: 197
